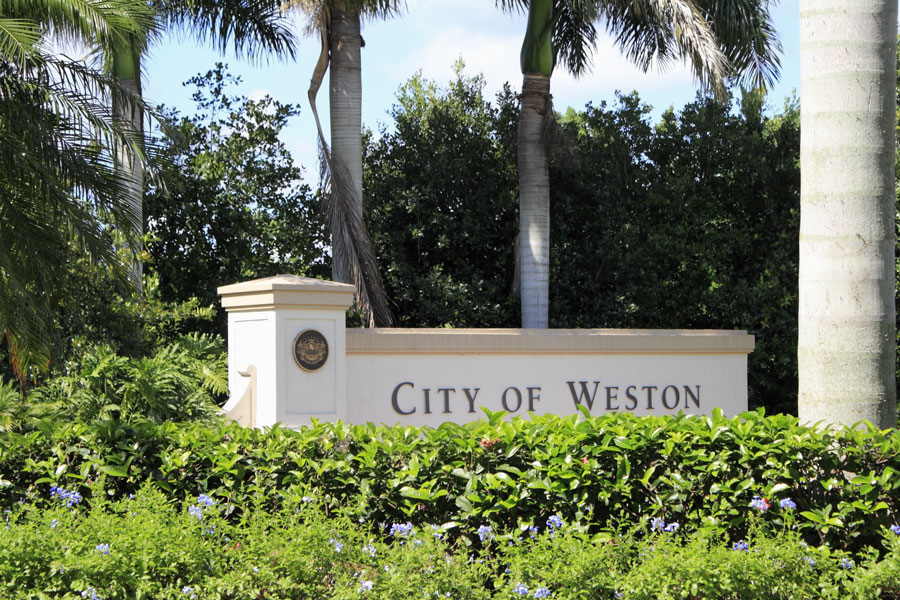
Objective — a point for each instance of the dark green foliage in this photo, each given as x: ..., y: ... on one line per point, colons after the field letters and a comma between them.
x: 442, y: 206
x: 692, y: 223
x: 183, y: 380
x: 231, y: 207
x: 596, y: 473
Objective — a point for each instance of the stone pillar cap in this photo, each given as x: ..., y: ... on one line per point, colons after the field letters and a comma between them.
x: 287, y: 291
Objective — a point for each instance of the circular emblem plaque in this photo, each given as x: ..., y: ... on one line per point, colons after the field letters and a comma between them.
x: 310, y: 350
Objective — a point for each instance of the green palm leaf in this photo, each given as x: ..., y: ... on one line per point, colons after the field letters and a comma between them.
x: 62, y: 194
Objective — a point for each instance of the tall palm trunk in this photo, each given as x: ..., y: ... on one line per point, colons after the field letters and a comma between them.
x: 534, y: 200
x: 847, y: 337
x: 345, y: 85
x: 126, y: 68
x: 534, y: 165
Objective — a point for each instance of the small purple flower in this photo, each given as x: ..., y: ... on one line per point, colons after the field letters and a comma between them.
x: 102, y: 548
x: 520, y: 589
x: 671, y: 527
x: 305, y: 499
x: 196, y: 512
x: 808, y: 560
x: 91, y: 594
x: 54, y: 523
x: 205, y: 500
x: 554, y: 522
x: 484, y: 533
x: 846, y: 563
x: 401, y: 529
x: 760, y: 504
x: 657, y: 523
x: 541, y: 593
x: 532, y: 532
x: 619, y: 594
x: 336, y: 544
x: 741, y: 546
x: 369, y: 549
x: 787, y: 504
x: 71, y: 498
x: 364, y: 586
x: 895, y: 529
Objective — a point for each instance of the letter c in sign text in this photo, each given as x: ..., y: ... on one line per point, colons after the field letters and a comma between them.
x: 394, y: 399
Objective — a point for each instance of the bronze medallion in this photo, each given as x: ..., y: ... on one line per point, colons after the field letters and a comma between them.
x: 310, y: 350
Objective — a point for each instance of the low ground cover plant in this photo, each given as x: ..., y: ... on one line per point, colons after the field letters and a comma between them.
x: 147, y: 546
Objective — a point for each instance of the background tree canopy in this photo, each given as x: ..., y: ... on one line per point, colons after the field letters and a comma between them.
x: 691, y: 222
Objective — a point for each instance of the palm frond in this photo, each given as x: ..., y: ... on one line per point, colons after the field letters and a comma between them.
x: 107, y: 22
x: 255, y: 28
x: 374, y: 9
x: 512, y: 6
x: 18, y: 39
x: 747, y: 35
x: 62, y: 193
x: 659, y: 31
x: 574, y: 34
x: 352, y: 247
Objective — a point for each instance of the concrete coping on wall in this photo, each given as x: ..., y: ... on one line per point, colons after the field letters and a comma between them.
x: 286, y: 292
x: 547, y: 341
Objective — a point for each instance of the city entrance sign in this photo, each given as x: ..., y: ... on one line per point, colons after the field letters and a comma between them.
x: 291, y: 359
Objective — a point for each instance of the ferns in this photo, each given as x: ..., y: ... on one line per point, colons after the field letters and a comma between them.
x: 184, y: 380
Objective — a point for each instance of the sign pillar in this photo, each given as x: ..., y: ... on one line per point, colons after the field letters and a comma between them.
x: 286, y: 350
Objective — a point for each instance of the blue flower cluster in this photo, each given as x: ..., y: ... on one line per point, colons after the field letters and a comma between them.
x: 338, y: 545
x: 741, y: 546
x: 91, y: 594
x: 522, y: 590
x: 102, y: 548
x: 554, y: 522
x: 401, y: 529
x: 787, y: 504
x: 203, y: 502
x: 760, y: 504
x: 484, y: 533
x: 71, y: 498
x: 659, y: 524
x: 895, y: 529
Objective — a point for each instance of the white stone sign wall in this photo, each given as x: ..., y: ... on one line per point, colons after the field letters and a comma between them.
x: 288, y: 332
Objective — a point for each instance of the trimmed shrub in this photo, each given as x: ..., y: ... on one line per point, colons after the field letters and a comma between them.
x: 596, y: 473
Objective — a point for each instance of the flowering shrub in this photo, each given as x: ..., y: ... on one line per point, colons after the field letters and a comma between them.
x: 837, y: 487
x: 144, y: 547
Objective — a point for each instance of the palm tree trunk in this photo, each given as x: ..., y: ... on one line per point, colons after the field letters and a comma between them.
x: 345, y: 85
x: 126, y: 67
x: 847, y: 331
x: 534, y: 200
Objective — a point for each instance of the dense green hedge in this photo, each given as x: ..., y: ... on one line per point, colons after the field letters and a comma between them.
x: 594, y: 472
x: 146, y: 548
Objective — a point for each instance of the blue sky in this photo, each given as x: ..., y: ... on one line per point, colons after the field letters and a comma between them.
x: 429, y: 37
